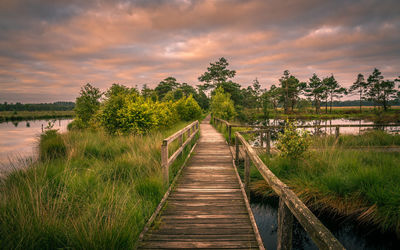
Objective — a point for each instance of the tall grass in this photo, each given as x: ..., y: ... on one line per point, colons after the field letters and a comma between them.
x: 367, y: 139
x: 361, y: 184
x: 98, y: 196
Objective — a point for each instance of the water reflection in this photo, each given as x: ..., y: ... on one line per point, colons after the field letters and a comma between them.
x: 348, y: 233
x: 325, y: 128
x: 18, y: 140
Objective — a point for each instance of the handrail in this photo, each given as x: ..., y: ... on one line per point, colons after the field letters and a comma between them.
x: 266, y: 129
x: 289, y: 204
x: 167, y: 160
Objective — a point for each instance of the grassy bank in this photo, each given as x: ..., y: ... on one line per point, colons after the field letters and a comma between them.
x: 96, y: 193
x: 363, y: 185
x: 368, y: 113
x: 374, y: 138
x: 6, y: 116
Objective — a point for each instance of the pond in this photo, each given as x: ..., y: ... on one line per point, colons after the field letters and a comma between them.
x: 323, y: 130
x: 18, y: 141
x: 351, y: 235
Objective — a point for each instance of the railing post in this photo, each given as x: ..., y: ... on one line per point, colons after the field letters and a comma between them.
x: 337, y: 131
x: 261, y: 139
x: 230, y: 134
x: 164, y: 162
x: 285, y: 226
x: 247, y: 175
x: 237, y: 150
x: 268, y: 142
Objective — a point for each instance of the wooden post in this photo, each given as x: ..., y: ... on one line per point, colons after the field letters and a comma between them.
x: 337, y: 131
x: 164, y: 162
x: 261, y: 139
x: 230, y: 134
x: 268, y: 142
x: 285, y: 226
x: 237, y: 150
x: 247, y: 175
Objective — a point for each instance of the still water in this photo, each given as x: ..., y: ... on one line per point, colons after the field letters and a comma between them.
x: 351, y: 235
x: 18, y: 140
x: 323, y: 130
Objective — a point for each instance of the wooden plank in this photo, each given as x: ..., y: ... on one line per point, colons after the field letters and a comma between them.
x: 206, y: 209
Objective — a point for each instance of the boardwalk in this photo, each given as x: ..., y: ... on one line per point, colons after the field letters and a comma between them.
x: 207, y: 208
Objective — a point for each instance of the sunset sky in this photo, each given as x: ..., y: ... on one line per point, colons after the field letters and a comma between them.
x: 48, y: 49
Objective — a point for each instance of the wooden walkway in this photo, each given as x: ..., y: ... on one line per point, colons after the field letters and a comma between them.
x: 207, y: 208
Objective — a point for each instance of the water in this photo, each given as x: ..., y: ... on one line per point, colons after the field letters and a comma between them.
x: 18, y: 140
x: 348, y: 233
x: 324, y: 130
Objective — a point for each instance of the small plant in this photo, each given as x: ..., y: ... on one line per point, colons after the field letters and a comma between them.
x: 293, y: 143
x: 51, y: 145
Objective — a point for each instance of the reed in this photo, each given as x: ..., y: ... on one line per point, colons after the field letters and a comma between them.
x: 98, y: 195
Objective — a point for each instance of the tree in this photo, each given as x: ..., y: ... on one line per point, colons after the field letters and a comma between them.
x: 388, y: 93
x: 316, y: 90
x: 374, y: 82
x: 257, y: 93
x: 87, y: 104
x: 148, y: 93
x: 332, y: 90
x: 216, y: 74
x: 274, y: 95
x: 165, y: 86
x: 291, y: 89
x: 359, y: 86
x: 221, y: 105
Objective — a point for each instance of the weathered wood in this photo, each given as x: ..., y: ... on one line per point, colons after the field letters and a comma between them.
x: 337, y: 131
x: 321, y: 236
x: 285, y: 227
x: 206, y: 209
x: 236, y: 150
x: 268, y: 142
x: 164, y: 162
x: 247, y: 175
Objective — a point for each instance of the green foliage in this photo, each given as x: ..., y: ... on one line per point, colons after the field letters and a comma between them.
x: 222, y: 106
x: 362, y: 184
x: 292, y: 143
x: 98, y: 195
x: 87, y: 104
x: 51, y: 145
x: 188, y: 109
x: 216, y: 74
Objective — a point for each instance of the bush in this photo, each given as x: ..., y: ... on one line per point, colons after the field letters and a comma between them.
x: 188, y: 109
x: 51, y: 145
x: 222, y: 106
x: 293, y: 143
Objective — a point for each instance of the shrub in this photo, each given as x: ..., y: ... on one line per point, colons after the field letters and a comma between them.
x: 188, y: 109
x: 137, y: 116
x: 293, y: 143
x: 222, y: 106
x: 87, y: 104
x: 51, y: 145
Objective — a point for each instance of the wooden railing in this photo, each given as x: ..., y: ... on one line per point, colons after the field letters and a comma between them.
x: 265, y: 131
x: 166, y: 160
x: 289, y: 204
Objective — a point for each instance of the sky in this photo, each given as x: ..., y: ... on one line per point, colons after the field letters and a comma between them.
x: 49, y: 49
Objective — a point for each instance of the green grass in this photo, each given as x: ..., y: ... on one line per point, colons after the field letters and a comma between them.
x: 361, y: 184
x: 6, y: 116
x: 98, y: 196
x: 368, y: 139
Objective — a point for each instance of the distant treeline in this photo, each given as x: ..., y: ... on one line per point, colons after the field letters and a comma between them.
x: 55, y: 106
x: 363, y: 103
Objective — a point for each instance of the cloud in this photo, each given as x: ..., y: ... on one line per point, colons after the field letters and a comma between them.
x: 48, y: 49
